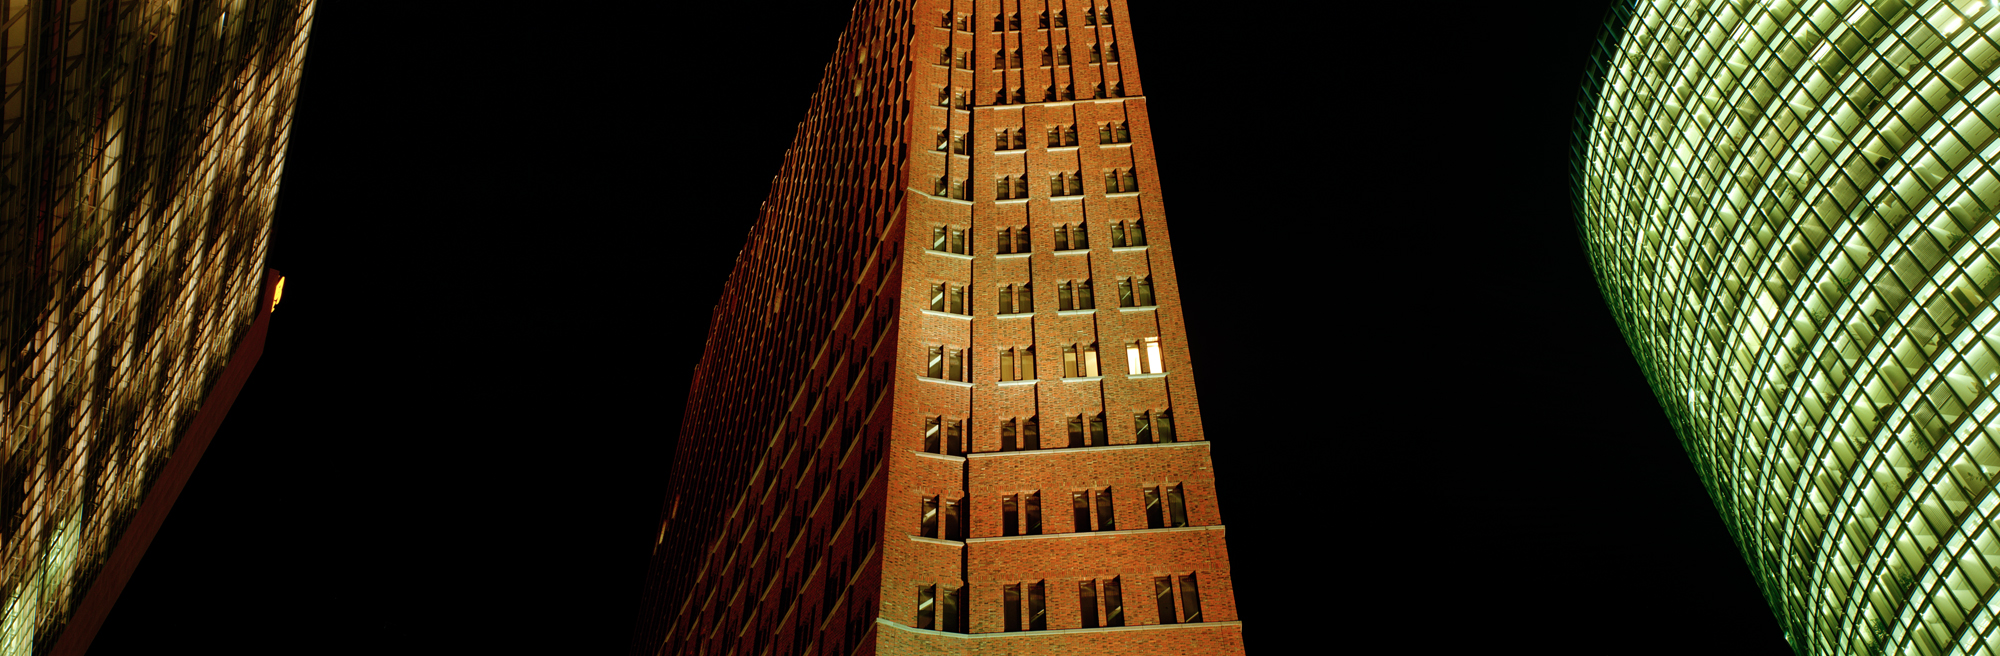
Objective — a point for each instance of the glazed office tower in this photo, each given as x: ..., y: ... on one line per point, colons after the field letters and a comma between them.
x: 1790, y: 208
x: 946, y: 405
x: 140, y: 148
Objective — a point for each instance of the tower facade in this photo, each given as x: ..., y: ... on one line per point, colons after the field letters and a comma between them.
x: 947, y: 404
x: 1790, y: 208
x: 141, y: 144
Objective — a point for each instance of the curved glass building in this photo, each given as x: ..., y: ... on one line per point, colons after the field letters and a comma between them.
x: 1790, y: 210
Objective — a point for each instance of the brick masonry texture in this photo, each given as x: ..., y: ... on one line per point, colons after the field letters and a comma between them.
x: 794, y: 521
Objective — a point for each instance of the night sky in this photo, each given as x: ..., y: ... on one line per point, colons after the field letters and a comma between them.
x: 503, y: 231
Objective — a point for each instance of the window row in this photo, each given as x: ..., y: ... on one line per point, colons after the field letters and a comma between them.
x: 1142, y: 356
x: 1051, y: 56
x: 1016, y: 299
x: 1113, y: 132
x: 1008, y: 187
x: 1053, y: 93
x: 1011, y: 22
x: 1024, y: 605
x: 1090, y: 510
x: 953, y: 519
x: 959, y: 99
x: 1020, y: 299
x: 946, y: 436
x: 1016, y: 138
x: 1018, y: 434
x: 1068, y: 237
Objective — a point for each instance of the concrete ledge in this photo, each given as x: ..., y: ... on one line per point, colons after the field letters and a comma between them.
x: 1030, y: 452
x: 1085, y: 534
x: 1029, y: 634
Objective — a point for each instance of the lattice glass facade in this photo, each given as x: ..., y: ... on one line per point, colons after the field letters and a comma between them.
x: 1790, y: 208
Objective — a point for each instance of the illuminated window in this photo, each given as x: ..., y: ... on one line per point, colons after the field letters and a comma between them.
x: 1080, y: 361
x: 1143, y: 356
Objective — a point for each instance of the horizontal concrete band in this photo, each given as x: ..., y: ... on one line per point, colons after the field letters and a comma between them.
x: 1086, y: 534
x: 1029, y: 634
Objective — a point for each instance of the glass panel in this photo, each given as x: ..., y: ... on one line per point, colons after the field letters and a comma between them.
x: 1037, y: 607
x: 1063, y: 298
x: 926, y: 608
x: 1132, y: 362
x: 1190, y: 599
x: 1069, y: 362
x: 1031, y: 434
x: 1006, y: 300
x: 957, y: 366
x: 1007, y: 435
x: 1027, y: 297
x: 1090, y: 361
x: 1034, y: 513
x: 1106, y: 515
x: 1153, y: 354
x: 1154, y: 516
x: 1080, y: 510
x: 1163, y: 594
x: 948, y: 609
x: 937, y: 234
x: 954, y: 440
x: 1062, y: 232
x: 1082, y: 237
x: 1124, y: 293
x: 1114, y: 603
x: 1165, y: 424
x: 1028, y: 363
x: 1142, y: 427
x: 1007, y: 365
x: 932, y: 432
x: 1145, y: 288
x: 1012, y: 620
x: 1005, y: 242
x: 1131, y: 181
x: 937, y: 363
x: 1086, y: 601
x: 1097, y: 434
x: 1084, y: 301
x: 1009, y: 515
x: 1117, y: 230
x: 928, y: 527
x: 958, y: 300
x: 1176, y: 506
x: 1076, y: 431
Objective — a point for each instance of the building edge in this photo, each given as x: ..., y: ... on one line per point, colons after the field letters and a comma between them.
x: 90, y: 614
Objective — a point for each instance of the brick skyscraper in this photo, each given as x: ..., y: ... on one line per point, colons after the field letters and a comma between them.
x: 141, y: 144
x: 946, y: 404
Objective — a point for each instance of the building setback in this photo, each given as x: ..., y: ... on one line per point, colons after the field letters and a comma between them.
x: 141, y: 144
x: 946, y: 404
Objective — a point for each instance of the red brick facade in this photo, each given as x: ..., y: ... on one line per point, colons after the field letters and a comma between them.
x: 908, y: 339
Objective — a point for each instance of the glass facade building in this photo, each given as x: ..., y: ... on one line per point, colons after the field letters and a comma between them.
x: 1790, y: 209
x: 141, y: 145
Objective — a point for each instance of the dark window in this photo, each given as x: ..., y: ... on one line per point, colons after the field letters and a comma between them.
x: 1012, y: 620
x: 1037, y: 609
x: 944, y: 95
x: 1120, y: 133
x: 1001, y: 188
x: 1176, y: 506
x: 958, y: 242
x: 1089, y: 17
x: 1137, y: 233
x: 1114, y: 604
x: 1014, y: 21
x: 1083, y: 298
x: 1163, y: 425
x: 1163, y: 593
x: 954, y: 520
x: 1033, y: 503
x: 958, y: 189
x: 1124, y: 292
x: 1062, y: 55
x: 1111, y: 187
x: 1056, y: 185
x: 1019, y: 138
x: 1076, y: 431
x: 1131, y: 179
x: 937, y: 238
x: 929, y: 523
x: 1080, y: 507
x: 1014, y: 58
x: 1079, y: 237
x: 1190, y: 599
x: 936, y: 369
x: 954, y: 437
x: 1062, y: 232
x: 964, y: 23
x: 1107, y: 18
x: 1043, y: 21
x: 1010, y: 517
x: 1086, y: 596
x: 1062, y: 19
x: 1142, y: 426
x: 1021, y: 191
x: 1063, y: 299
x: 940, y: 185
x: 956, y: 368
x: 926, y: 606
x: 1006, y: 307
x: 933, y: 434
x: 999, y: 59
x: 1144, y: 289
x: 1048, y: 57
x: 957, y: 304
x: 1117, y: 88
x: 1006, y: 242
x: 937, y: 297
x: 1069, y: 139
x: 1106, y: 516
x: 999, y: 23
x: 1096, y: 56
x: 1068, y: 92
x: 1154, y: 516
x: 1097, y: 434
x: 1027, y: 303
x: 951, y: 609
x: 1006, y: 360
x: 1031, y: 434
x: 1007, y: 437
x: 945, y: 21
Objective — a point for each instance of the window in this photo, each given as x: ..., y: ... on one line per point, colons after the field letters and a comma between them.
x: 1032, y: 507
x: 1062, y: 55
x: 1007, y: 435
x: 1014, y: 21
x: 1136, y: 292
x: 1125, y: 233
x: 944, y: 59
x: 1010, y: 515
x: 954, y: 520
x: 1143, y: 356
x: 964, y: 23
x: 944, y: 97
x: 1012, y: 606
x: 962, y: 59
x: 1038, y: 610
x: 958, y: 143
x: 999, y: 23
x: 1043, y: 21
x: 926, y: 606
x: 1074, y: 296
x: 1019, y: 96
x: 948, y: 298
x: 941, y: 186
x: 1150, y: 426
x: 958, y: 99
x: 1163, y: 594
x: 1071, y: 237
x: 1086, y: 600
x: 1017, y: 299
x: 948, y: 364
x: 944, y: 140
x: 1120, y: 181
x: 1014, y: 58
x: 1096, y: 56
x: 1097, y: 90
x: 1190, y: 599
x: 1117, y: 89
x: 1106, y: 512
x: 1048, y: 56
x: 1166, y: 507
x: 1110, y: 50
x: 927, y: 523
x: 951, y: 611
x: 1068, y: 93
x: 1017, y: 364
x: 1014, y: 240
x: 1080, y: 361
x: 1113, y: 132
x: 999, y: 59
x: 1009, y: 187
x: 1114, y: 603
x: 947, y: 240
x: 1107, y: 17
x: 1080, y: 507
x: 1089, y: 17
x: 1066, y: 185
x: 946, y: 23
x: 1010, y: 139
x: 1062, y: 135
x: 1027, y: 430
x: 1049, y: 93
x: 944, y: 436
x: 1062, y: 19
x: 958, y: 189
x: 1096, y: 436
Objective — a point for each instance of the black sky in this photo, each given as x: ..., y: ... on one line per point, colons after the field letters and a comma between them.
x: 503, y: 231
